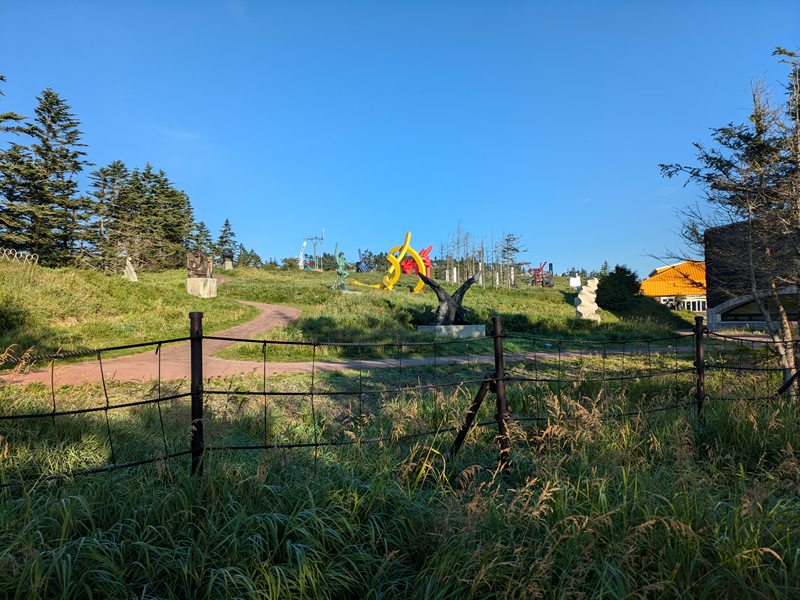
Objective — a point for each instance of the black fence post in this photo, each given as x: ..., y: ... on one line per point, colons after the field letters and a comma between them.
x: 500, y: 391
x: 700, y: 364
x: 196, y: 335
x: 473, y: 410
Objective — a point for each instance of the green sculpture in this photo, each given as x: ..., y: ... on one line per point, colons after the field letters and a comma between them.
x: 341, y: 270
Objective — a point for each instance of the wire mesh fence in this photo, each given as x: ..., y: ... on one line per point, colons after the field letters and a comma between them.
x: 52, y: 432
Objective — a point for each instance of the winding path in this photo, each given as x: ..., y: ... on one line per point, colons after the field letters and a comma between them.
x: 176, y: 359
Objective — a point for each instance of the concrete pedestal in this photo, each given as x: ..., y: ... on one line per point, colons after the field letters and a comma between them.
x: 227, y: 265
x: 455, y: 331
x: 202, y: 287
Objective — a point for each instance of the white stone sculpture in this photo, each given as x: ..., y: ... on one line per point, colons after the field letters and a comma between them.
x: 129, y: 273
x: 586, y: 302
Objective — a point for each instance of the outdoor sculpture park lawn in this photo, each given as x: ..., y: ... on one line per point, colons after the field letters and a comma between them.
x: 45, y: 310
x: 384, y: 316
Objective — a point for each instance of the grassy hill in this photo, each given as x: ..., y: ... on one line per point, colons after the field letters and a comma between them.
x: 45, y: 310
x: 388, y: 316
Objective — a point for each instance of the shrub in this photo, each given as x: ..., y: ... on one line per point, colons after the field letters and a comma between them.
x: 618, y: 289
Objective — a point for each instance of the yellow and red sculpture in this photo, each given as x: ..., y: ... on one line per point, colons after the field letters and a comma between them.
x: 393, y: 273
x: 409, y: 266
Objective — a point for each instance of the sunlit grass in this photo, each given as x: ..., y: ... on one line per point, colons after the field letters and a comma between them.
x: 377, y: 316
x: 47, y: 310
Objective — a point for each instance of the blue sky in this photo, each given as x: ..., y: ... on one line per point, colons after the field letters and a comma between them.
x: 372, y: 118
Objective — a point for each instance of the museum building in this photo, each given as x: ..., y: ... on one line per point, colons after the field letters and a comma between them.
x: 680, y: 286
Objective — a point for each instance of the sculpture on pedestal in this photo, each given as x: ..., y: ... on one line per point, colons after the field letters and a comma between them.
x: 199, y: 264
x: 450, y: 311
x: 199, y: 281
x: 227, y: 259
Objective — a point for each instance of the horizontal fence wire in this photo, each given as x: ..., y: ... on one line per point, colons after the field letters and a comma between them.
x: 352, y: 344
x: 563, y: 357
x: 57, y: 355
x: 105, y: 469
x: 82, y: 411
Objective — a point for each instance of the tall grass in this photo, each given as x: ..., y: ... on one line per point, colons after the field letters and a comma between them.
x: 597, y: 504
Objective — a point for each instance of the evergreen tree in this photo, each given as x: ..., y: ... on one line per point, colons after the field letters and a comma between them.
x: 19, y: 179
x: 618, y: 290
x: 114, y: 211
x: 226, y: 239
x: 202, y: 238
x: 510, y: 248
x: 56, y: 209
x: 247, y: 258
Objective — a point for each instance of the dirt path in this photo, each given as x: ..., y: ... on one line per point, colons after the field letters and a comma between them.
x: 175, y: 360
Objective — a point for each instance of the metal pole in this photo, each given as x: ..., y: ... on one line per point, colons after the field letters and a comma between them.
x: 500, y: 391
x: 700, y: 365
x: 196, y: 335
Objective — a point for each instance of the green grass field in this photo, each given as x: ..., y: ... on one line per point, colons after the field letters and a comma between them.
x: 391, y: 316
x: 48, y: 310
x: 603, y: 500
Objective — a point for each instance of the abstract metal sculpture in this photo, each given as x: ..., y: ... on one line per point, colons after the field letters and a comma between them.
x: 394, y: 270
x: 20, y: 256
x: 410, y: 266
x: 450, y: 311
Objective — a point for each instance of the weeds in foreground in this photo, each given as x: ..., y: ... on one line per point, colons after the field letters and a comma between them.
x: 597, y: 504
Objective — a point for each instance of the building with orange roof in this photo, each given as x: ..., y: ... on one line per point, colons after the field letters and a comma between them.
x: 682, y: 285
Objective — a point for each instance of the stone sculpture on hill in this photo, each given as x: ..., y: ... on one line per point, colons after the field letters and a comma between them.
x: 199, y: 264
x: 586, y: 302
x: 129, y: 273
x: 227, y: 259
x: 199, y: 281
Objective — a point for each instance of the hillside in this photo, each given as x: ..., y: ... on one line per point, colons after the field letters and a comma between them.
x: 45, y: 310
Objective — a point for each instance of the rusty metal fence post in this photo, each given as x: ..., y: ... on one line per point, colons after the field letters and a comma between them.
x: 700, y: 364
x: 196, y: 335
x: 500, y: 391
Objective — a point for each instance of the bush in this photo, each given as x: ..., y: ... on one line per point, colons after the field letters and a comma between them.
x: 618, y: 289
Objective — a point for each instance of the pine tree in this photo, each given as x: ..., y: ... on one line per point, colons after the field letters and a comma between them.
x: 113, y: 210
x: 247, y: 258
x: 9, y: 117
x: 226, y: 239
x: 57, y: 209
x: 202, y: 238
x: 618, y: 290
x: 19, y: 178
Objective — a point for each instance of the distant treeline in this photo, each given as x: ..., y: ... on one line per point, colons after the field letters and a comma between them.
x: 135, y: 213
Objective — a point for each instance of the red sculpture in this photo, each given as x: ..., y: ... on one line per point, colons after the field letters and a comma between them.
x: 409, y: 265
